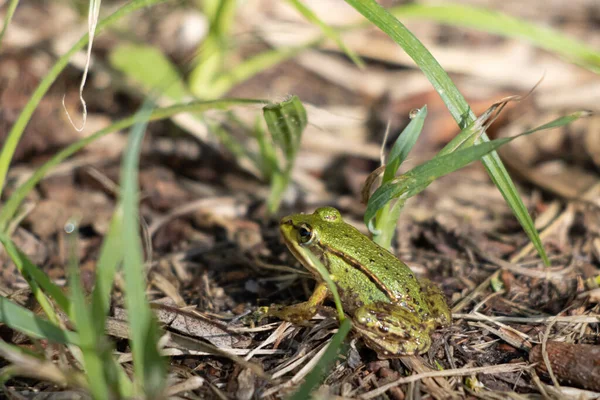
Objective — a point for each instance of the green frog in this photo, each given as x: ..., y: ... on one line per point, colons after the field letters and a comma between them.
x: 390, y: 308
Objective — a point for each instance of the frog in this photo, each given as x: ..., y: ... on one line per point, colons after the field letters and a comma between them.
x: 394, y: 312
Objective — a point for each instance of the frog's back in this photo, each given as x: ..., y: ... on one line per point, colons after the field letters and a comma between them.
x: 391, y: 277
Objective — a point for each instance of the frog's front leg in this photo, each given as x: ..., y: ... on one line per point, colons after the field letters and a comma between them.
x: 301, y: 312
x: 391, y: 330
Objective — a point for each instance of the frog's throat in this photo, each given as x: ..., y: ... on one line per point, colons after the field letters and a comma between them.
x: 356, y: 264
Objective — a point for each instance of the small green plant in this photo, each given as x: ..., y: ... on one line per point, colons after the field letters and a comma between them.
x: 461, y: 112
x: 385, y: 205
x: 286, y: 122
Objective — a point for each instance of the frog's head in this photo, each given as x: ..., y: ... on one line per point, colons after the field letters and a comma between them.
x: 305, y: 231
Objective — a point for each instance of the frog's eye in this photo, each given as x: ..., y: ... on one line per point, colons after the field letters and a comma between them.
x: 305, y: 234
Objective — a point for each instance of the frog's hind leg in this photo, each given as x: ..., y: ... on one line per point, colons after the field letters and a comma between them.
x: 391, y: 330
x: 436, y: 302
x: 302, y: 312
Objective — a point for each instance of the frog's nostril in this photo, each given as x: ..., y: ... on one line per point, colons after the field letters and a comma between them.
x: 285, y: 221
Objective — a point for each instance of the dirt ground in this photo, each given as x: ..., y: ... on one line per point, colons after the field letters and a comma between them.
x: 214, y: 255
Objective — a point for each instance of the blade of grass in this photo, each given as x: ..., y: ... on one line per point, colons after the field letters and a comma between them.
x: 327, y: 31
x: 251, y: 67
x: 418, y: 178
x: 323, y: 367
x: 111, y: 255
x: 12, y: 204
x: 324, y: 273
x: 23, y: 320
x: 213, y: 51
x: 385, y: 222
x: 404, y: 144
x: 267, y: 162
x: 286, y: 122
x: 149, y: 366
x: 37, y: 280
x: 10, y: 11
x: 149, y: 67
x: 91, y: 346
x: 18, y: 127
x: 469, y: 135
x: 507, y: 26
x: 455, y: 103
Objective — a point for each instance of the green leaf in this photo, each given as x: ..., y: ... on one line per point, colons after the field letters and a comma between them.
x: 327, y: 31
x: 213, y: 51
x: 455, y: 103
x: 323, y: 367
x: 268, y: 157
x: 505, y: 25
x: 404, y: 144
x: 418, y: 178
x: 251, y: 67
x: 326, y: 276
x: 37, y: 280
x: 387, y: 217
x: 286, y: 122
x: 469, y: 135
x: 91, y: 345
x: 12, y: 6
x: 149, y: 67
x: 21, y: 319
x: 111, y: 255
x: 149, y: 366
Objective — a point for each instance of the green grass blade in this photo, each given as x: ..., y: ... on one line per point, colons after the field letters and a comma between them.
x: 10, y: 11
x: 12, y: 204
x: 469, y: 135
x: 440, y: 80
x: 505, y: 25
x: 111, y: 255
x: 404, y: 144
x: 92, y: 353
x: 37, y: 280
x: 22, y: 320
x: 267, y: 161
x: 327, y: 31
x: 326, y: 276
x: 149, y: 366
x: 149, y: 67
x: 251, y: 67
x: 18, y: 127
x: 286, y: 122
x: 455, y: 103
x: 386, y: 220
x: 418, y: 178
x: 562, y: 121
x: 213, y: 52
x: 334, y: 349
